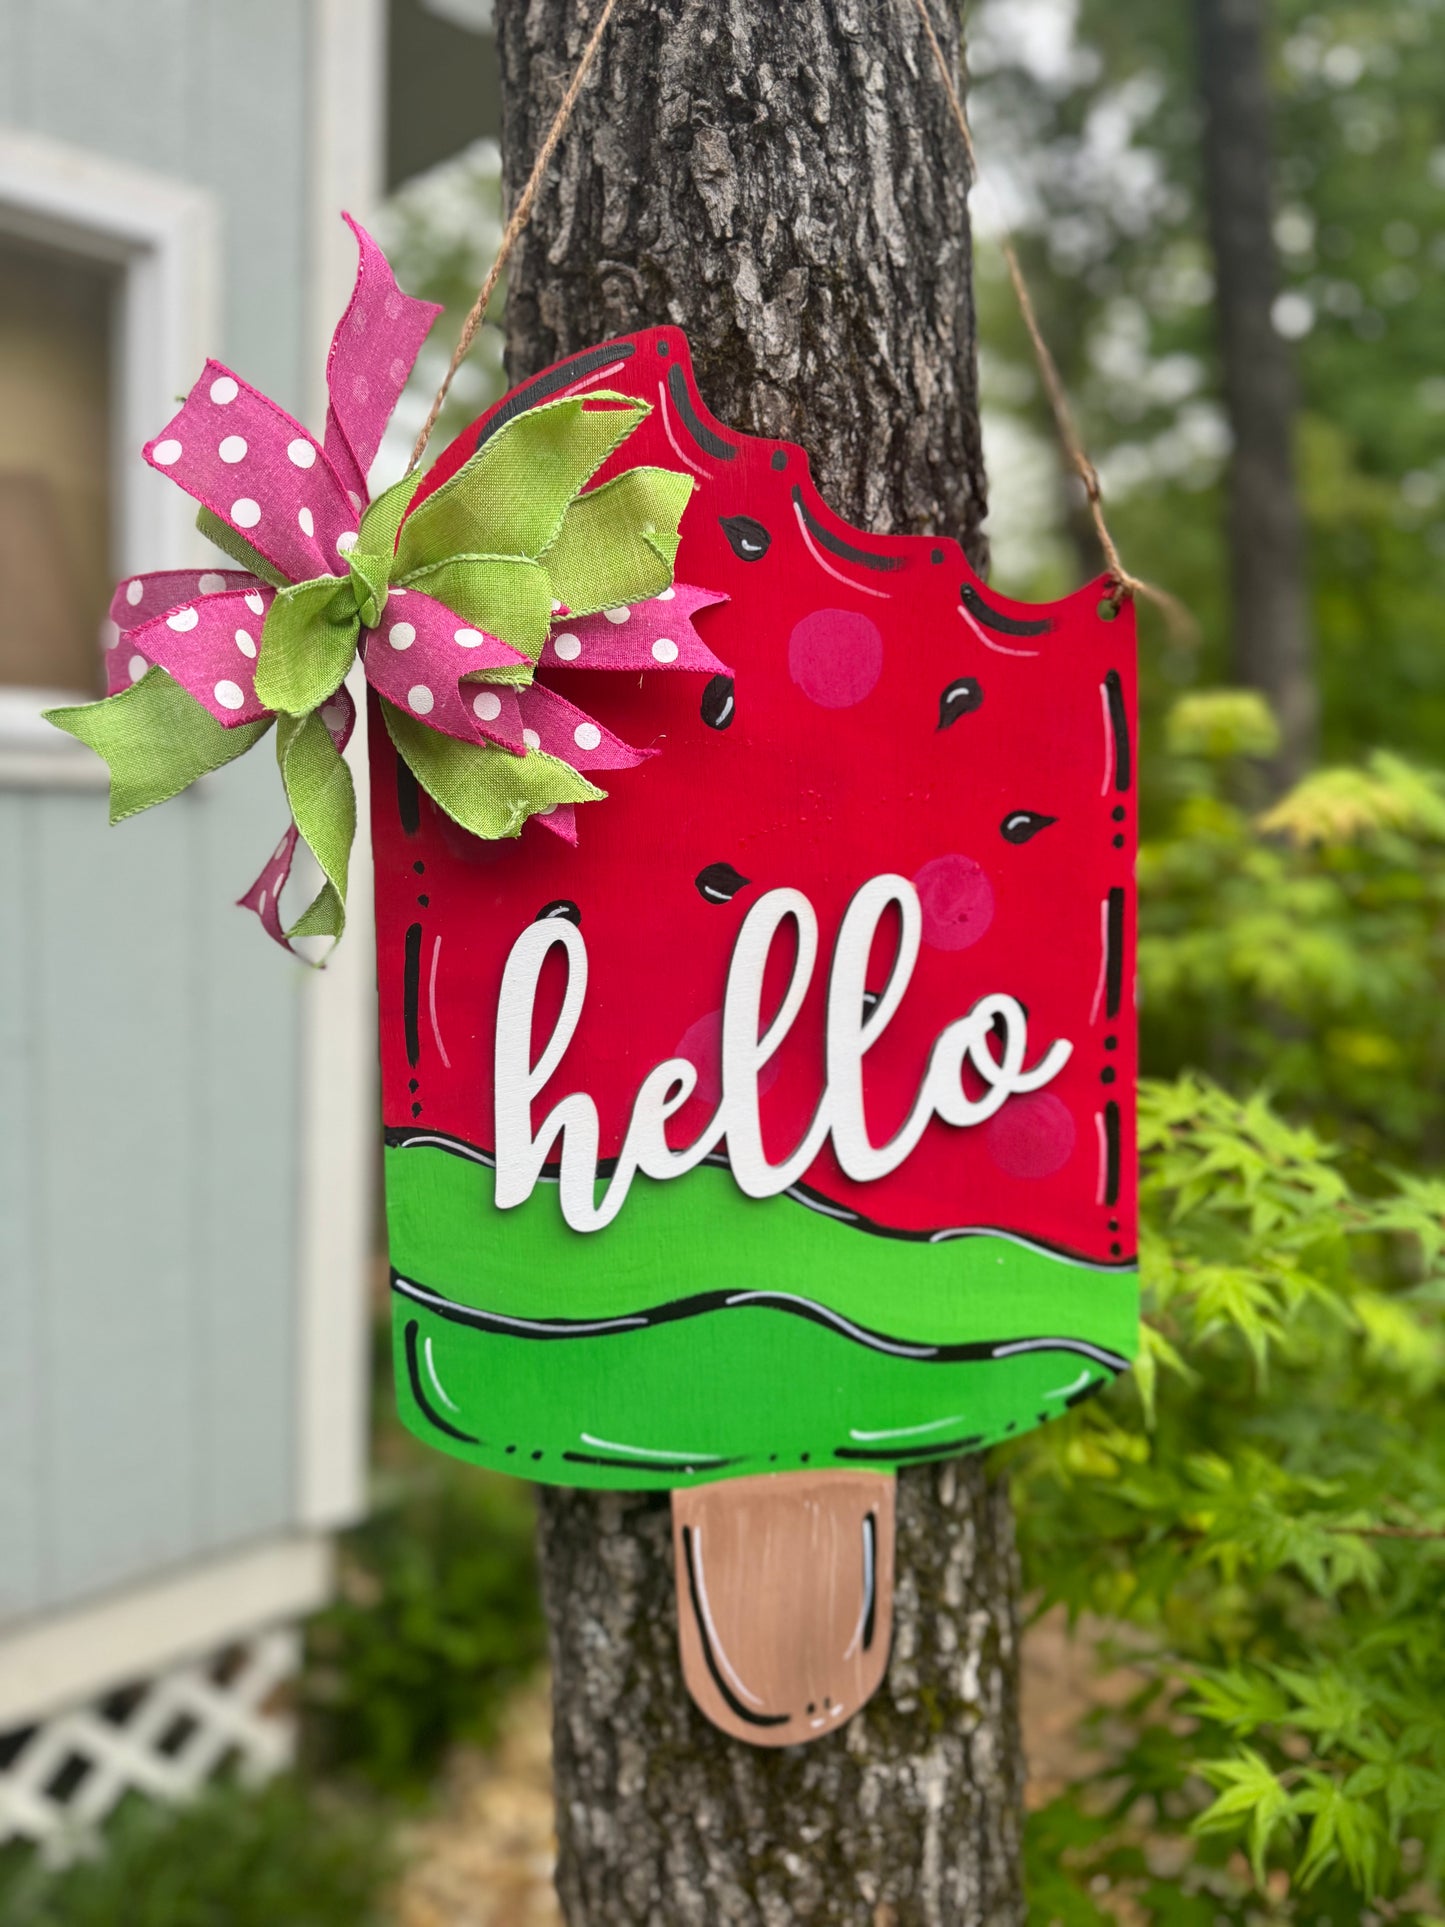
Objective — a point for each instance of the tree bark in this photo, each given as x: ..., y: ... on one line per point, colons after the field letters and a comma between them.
x: 784, y: 182
x: 1273, y: 648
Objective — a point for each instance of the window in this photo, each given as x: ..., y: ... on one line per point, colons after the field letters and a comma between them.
x: 57, y: 323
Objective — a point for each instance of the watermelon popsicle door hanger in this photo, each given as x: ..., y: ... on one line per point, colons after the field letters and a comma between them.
x: 770, y: 1127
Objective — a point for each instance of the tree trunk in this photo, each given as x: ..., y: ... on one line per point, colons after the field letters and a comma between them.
x: 1273, y: 647
x: 785, y: 183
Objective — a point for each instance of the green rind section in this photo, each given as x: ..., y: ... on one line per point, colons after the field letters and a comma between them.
x: 700, y: 1232
x: 750, y: 1388
x: 755, y: 1389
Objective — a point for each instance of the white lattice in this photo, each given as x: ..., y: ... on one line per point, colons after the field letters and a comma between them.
x: 165, y: 1737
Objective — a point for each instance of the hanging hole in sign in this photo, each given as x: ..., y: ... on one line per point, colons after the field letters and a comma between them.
x: 1108, y: 609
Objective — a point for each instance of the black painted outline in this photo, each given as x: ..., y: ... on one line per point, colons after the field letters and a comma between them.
x: 992, y: 618
x: 408, y: 797
x: 707, y: 439
x: 411, y: 993
x: 1114, y: 953
x: 424, y: 1404
x: 540, y: 387
x: 894, y: 1456
x: 730, y: 1698
x: 1119, y: 723
x: 1111, y: 1153
x: 701, y: 1304
x: 657, y: 1465
x: 870, y: 1617
x: 407, y: 1137
x: 845, y: 551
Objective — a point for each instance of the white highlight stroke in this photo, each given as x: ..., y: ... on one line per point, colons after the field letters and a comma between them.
x: 863, y: 588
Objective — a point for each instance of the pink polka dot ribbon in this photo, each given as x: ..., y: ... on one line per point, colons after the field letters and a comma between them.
x: 326, y: 579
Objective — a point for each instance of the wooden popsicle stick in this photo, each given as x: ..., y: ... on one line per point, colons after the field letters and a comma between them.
x: 784, y: 1599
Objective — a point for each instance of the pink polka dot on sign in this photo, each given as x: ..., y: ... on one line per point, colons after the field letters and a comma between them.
x: 835, y: 656
x: 957, y: 901
x: 701, y: 1044
x: 1032, y: 1136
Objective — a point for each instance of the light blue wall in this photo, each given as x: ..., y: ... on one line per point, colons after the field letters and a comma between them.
x: 148, y: 1032
x: 213, y: 92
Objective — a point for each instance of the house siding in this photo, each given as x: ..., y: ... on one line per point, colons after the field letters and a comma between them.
x: 149, y: 1036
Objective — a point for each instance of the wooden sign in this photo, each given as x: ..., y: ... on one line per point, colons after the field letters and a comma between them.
x: 771, y: 1127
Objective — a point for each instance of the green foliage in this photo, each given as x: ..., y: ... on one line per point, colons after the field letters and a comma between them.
x: 1264, y: 1502
x: 275, y: 1858
x: 1305, y: 948
x: 1099, y: 142
x: 436, y: 1622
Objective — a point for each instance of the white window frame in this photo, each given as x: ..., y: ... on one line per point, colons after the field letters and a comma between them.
x: 160, y: 238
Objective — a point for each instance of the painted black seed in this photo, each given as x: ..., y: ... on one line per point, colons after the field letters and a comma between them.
x: 960, y: 698
x: 420, y: 868
x: 1119, y: 813
x: 720, y: 883
x: 1111, y: 1043
x: 747, y: 538
x: 1118, y: 842
x: 780, y: 458
x: 936, y: 556
x: 559, y: 907
x: 1106, y: 1076
x: 718, y: 707
x: 416, y: 1110
x: 425, y: 902
x: 413, y: 1085
x: 1116, y: 1250
x: 1019, y: 825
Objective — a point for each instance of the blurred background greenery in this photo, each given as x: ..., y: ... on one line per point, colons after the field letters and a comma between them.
x: 1249, y: 1533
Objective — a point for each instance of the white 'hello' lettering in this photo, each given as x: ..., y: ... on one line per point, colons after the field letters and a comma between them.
x: 851, y: 1031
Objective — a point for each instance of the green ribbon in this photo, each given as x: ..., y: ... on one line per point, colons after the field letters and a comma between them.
x: 157, y: 740
x: 323, y: 803
x: 498, y: 543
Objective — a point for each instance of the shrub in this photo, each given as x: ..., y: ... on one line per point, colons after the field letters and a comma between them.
x: 437, y: 1619
x: 1305, y: 948
x: 236, y: 1858
x: 1263, y: 1501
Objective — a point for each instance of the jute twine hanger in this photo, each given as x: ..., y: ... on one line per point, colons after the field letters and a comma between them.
x: 521, y: 214
x: 1181, y: 623
x: 1126, y: 585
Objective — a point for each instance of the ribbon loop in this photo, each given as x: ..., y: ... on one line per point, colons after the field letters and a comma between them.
x: 323, y: 806
x: 449, y: 594
x: 307, y: 644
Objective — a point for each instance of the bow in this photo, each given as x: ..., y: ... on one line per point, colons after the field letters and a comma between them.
x: 450, y: 601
